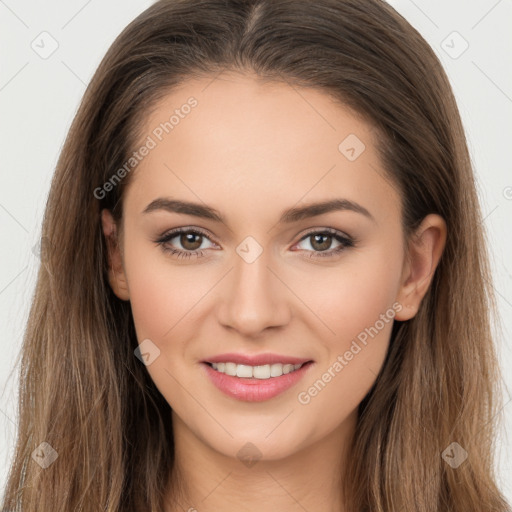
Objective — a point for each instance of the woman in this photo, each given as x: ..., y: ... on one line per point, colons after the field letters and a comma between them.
x: 265, y: 283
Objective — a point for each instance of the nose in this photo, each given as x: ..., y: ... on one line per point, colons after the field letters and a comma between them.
x: 253, y: 298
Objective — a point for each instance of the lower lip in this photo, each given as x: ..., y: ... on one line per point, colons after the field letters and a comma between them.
x: 255, y: 390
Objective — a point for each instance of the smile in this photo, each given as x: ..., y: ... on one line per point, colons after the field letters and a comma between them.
x: 263, y: 372
x: 255, y: 383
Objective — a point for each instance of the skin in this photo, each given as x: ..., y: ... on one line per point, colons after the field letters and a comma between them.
x: 251, y: 150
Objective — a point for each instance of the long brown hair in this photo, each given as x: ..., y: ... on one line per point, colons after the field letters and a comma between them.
x: 84, y: 392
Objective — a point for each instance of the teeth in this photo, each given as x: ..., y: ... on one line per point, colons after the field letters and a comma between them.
x: 263, y: 372
x: 244, y: 371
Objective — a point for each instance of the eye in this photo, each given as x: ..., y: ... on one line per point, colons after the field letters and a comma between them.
x: 321, y: 241
x: 189, y: 239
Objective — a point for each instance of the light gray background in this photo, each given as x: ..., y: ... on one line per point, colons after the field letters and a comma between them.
x: 39, y: 96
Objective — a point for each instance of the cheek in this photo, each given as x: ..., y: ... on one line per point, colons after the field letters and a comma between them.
x: 356, y: 303
x: 351, y: 296
x: 161, y: 294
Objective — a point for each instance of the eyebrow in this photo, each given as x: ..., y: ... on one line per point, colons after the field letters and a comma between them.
x: 290, y: 215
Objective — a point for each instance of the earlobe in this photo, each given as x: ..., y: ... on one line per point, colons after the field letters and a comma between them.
x: 116, y: 274
x: 424, y: 253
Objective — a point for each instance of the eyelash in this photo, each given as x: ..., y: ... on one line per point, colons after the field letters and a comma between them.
x: 344, y: 240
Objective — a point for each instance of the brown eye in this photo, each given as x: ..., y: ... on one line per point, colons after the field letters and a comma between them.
x: 191, y: 241
x: 184, y: 243
x: 321, y: 242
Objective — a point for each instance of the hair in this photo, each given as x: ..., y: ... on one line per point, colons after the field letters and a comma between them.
x: 80, y: 387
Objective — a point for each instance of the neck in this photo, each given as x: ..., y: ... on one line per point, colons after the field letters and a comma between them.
x: 205, y: 480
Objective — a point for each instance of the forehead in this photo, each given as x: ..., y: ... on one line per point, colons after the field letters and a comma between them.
x: 235, y: 140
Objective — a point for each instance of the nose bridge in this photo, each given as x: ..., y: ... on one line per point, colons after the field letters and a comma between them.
x: 254, y: 298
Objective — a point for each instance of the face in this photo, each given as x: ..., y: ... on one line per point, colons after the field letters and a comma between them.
x: 232, y: 295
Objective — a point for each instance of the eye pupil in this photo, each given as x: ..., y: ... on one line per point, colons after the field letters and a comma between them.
x: 322, y: 246
x: 187, y: 238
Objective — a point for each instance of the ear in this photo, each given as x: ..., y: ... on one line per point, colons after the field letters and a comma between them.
x: 423, y: 255
x: 116, y: 273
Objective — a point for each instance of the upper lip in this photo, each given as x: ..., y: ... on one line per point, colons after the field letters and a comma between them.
x: 256, y: 359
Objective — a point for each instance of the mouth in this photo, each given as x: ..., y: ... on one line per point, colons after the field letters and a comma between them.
x: 234, y: 376
x: 262, y: 372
